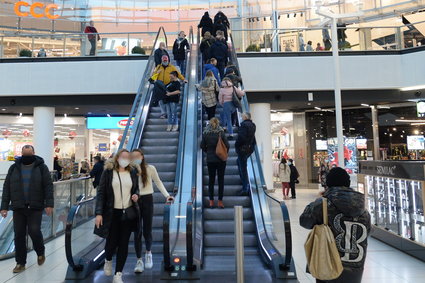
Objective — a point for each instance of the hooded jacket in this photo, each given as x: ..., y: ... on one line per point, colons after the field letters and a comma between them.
x: 348, y: 220
x: 209, y: 143
x: 212, y: 68
x: 40, y: 190
x: 179, y: 48
x: 206, y: 24
x: 226, y: 92
x: 219, y: 51
x: 164, y: 73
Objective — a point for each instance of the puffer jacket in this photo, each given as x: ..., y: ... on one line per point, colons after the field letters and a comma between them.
x: 40, y: 191
x: 164, y: 73
x: 209, y: 143
x: 348, y: 219
x: 226, y: 92
x: 284, y: 173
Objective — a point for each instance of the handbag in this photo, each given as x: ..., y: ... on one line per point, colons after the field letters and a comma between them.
x: 221, y: 149
x: 323, y: 259
x: 235, y: 100
x: 129, y: 213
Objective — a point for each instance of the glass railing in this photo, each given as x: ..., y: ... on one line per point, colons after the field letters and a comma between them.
x: 42, y: 45
x: 351, y: 38
x: 66, y: 194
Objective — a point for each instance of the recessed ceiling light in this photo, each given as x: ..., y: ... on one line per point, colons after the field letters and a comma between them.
x: 4, y: 109
x: 77, y: 108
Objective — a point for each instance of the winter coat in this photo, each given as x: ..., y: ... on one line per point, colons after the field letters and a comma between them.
x: 165, y: 71
x: 284, y: 173
x: 226, y: 92
x: 220, y: 16
x: 208, y: 88
x: 204, y: 47
x: 294, y: 173
x: 105, y: 197
x: 211, y: 67
x: 158, y: 55
x: 234, y: 69
x: 96, y: 172
x: 245, y: 143
x: 235, y: 79
x: 209, y: 143
x: 40, y: 190
x: 222, y: 27
x: 219, y: 51
x: 206, y: 24
x: 348, y: 219
x: 179, y: 49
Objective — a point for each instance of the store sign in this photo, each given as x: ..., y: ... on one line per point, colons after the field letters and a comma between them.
x: 411, y: 170
x: 36, y: 9
x: 95, y: 123
x: 103, y: 147
x: 420, y: 107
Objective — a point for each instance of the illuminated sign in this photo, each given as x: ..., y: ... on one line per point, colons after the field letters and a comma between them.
x: 107, y: 122
x: 420, y: 106
x: 36, y: 9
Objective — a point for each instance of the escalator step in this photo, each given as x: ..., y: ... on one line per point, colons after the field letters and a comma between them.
x: 223, y: 251
x: 228, y: 240
x: 228, y: 190
x: 232, y: 201
x: 159, y: 142
x: 163, y: 158
x: 227, y: 226
x: 225, y: 214
x: 228, y: 180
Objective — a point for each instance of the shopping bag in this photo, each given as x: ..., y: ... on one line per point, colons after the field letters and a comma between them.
x: 323, y: 259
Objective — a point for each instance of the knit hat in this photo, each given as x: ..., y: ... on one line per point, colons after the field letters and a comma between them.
x: 338, y: 177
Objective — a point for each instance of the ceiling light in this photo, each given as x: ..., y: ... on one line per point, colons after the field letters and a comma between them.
x: 365, y: 105
x: 417, y: 124
x: 317, y: 108
x: 108, y: 115
x: 65, y: 115
x: 410, y: 121
x: 4, y: 109
x: 76, y: 108
x: 20, y: 114
x: 416, y: 87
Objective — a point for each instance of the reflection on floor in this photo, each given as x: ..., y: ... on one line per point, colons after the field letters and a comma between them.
x: 383, y: 263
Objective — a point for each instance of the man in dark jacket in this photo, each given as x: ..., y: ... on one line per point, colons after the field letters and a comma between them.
x: 293, y: 178
x: 206, y: 24
x: 245, y: 144
x: 27, y: 190
x: 97, y: 170
x: 219, y: 51
x: 161, y: 51
x: 348, y: 220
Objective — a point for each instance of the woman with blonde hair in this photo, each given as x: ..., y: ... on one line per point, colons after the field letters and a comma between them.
x: 209, y: 88
x: 117, y: 209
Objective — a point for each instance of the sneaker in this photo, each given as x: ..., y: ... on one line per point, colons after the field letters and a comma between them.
x: 118, y: 278
x: 139, y: 266
x: 148, y: 261
x: 175, y: 128
x: 41, y: 259
x: 107, y: 268
x: 169, y: 128
x: 19, y: 268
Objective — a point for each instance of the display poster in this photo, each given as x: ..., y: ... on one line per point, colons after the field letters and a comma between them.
x: 361, y: 143
x: 95, y: 123
x: 17, y: 149
x: 321, y: 145
x: 5, y: 147
x: 415, y: 142
x: 289, y: 42
x: 350, y: 154
x: 103, y: 147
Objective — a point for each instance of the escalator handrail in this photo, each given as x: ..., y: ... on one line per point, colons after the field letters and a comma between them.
x: 68, y: 232
x: 259, y: 171
x: 141, y: 97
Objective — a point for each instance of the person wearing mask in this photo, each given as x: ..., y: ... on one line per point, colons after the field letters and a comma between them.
x: 97, y: 170
x: 211, y: 66
x: 159, y: 52
x: 204, y: 47
x: 309, y: 47
x: 27, y: 190
x: 215, y: 165
x: 348, y: 219
x: 245, y: 145
x: 181, y: 45
x: 172, y: 101
x: 162, y: 73
x: 206, y: 24
x: 294, y: 177
x: 147, y: 176
x: 209, y: 88
x: 285, y: 177
x: 219, y: 51
x: 92, y: 36
x: 57, y: 168
x: 117, y: 210
x: 225, y: 98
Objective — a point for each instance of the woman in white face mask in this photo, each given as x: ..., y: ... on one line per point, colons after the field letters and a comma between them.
x: 117, y: 212
x: 147, y: 174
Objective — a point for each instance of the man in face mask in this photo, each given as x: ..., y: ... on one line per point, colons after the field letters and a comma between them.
x: 27, y: 190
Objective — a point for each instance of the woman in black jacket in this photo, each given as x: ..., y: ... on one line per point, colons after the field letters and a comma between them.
x: 159, y: 52
x: 179, y: 51
x: 116, y: 209
x: 215, y: 165
x: 206, y: 24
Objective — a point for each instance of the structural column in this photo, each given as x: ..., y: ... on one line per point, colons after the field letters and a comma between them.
x: 375, y: 132
x: 301, y: 151
x: 262, y: 118
x: 44, y: 127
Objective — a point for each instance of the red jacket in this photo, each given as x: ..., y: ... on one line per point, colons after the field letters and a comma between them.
x: 89, y: 29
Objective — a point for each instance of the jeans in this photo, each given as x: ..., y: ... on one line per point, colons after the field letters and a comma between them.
x: 182, y: 66
x: 118, y: 238
x: 146, y: 218
x: 93, y: 46
x: 210, y: 112
x: 162, y: 107
x: 213, y: 168
x: 243, y: 172
x: 24, y: 220
x: 228, y: 109
x: 172, y: 113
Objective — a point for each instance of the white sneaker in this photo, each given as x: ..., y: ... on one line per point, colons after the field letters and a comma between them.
x: 118, y: 278
x: 175, y: 128
x: 169, y: 128
x: 148, y: 261
x: 107, y: 268
x: 139, y: 266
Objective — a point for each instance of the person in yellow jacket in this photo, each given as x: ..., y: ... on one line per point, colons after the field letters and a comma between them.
x: 161, y: 76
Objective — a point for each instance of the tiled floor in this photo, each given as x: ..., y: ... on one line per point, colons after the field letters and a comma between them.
x: 383, y: 263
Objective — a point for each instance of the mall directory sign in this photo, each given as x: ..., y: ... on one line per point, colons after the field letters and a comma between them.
x: 99, y: 123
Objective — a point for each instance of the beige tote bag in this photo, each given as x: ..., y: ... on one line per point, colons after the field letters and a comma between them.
x: 323, y: 259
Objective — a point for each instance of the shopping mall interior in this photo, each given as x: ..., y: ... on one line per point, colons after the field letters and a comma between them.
x: 322, y: 79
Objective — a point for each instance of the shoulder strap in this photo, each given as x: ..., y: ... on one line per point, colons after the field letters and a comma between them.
x: 325, y: 210
x: 122, y: 198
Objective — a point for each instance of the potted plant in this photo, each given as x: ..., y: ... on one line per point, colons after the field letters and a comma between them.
x: 25, y: 53
x: 138, y: 50
x: 253, y: 48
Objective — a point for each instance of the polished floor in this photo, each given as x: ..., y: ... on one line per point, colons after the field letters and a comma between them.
x: 383, y: 263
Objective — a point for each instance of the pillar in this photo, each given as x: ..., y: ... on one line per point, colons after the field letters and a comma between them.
x: 261, y: 116
x: 44, y: 127
x: 365, y: 38
x: 301, y: 152
x: 375, y: 132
